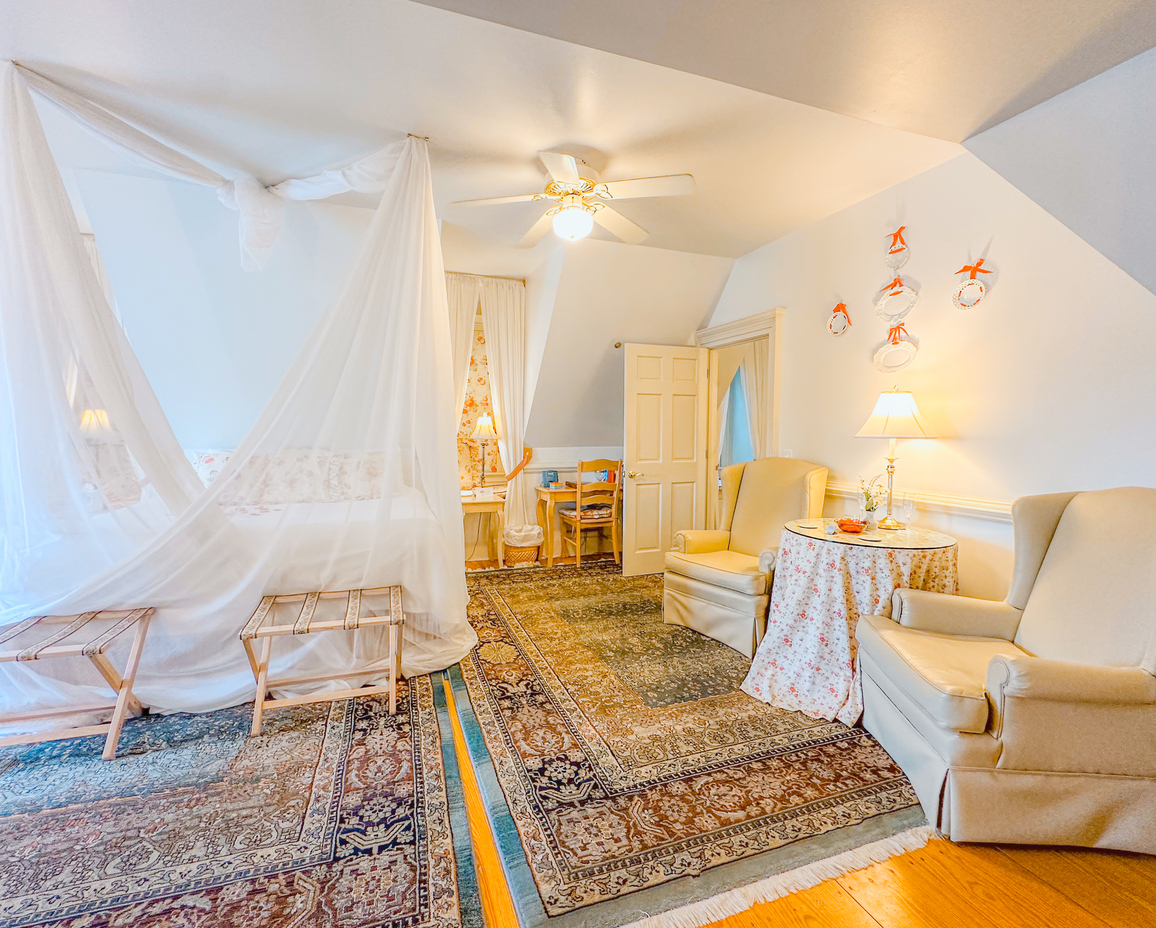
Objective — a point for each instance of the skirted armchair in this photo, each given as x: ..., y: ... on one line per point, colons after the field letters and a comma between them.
x: 1032, y: 720
x: 719, y: 582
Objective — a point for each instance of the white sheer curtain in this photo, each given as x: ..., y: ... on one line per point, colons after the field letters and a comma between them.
x: 504, y: 324
x: 463, y: 292
x: 348, y: 479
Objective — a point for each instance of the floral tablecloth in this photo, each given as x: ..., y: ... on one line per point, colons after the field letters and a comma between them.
x: 806, y: 661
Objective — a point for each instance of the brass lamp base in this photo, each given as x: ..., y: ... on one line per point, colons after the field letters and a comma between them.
x: 889, y: 524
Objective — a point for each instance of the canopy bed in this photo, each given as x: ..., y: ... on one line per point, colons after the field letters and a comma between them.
x: 348, y: 479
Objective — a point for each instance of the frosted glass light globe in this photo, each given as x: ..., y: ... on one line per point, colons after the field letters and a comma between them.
x: 573, y: 223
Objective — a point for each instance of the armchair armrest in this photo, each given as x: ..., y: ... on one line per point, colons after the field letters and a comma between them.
x: 1074, y: 718
x: 954, y: 615
x: 767, y: 559
x: 1060, y: 681
x: 700, y: 541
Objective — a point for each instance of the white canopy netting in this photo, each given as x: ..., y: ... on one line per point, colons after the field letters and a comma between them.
x: 347, y: 480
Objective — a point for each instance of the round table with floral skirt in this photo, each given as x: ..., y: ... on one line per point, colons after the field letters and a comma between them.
x: 823, y: 583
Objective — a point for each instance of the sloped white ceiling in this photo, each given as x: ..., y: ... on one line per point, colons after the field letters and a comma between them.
x: 1088, y: 157
x: 948, y: 68
x: 287, y: 88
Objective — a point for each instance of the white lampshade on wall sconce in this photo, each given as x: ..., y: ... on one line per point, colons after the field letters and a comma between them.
x: 895, y: 416
x: 574, y: 220
x: 484, y: 431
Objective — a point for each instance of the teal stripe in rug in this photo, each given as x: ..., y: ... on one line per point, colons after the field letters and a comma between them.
x: 638, y: 905
x: 469, y: 899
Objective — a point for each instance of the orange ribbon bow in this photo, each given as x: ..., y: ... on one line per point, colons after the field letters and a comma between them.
x: 895, y: 286
x: 842, y: 308
x: 897, y: 240
x: 897, y: 334
x: 976, y: 268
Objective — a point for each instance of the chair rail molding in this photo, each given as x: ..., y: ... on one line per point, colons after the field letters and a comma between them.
x: 740, y: 330
x: 990, y: 510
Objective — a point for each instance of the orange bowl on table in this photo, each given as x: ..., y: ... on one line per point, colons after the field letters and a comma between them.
x: 851, y: 526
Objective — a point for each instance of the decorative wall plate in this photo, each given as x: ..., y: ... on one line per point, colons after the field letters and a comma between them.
x: 972, y: 290
x: 897, y: 353
x: 896, y: 303
x: 839, y: 322
x: 898, y: 253
x: 968, y: 294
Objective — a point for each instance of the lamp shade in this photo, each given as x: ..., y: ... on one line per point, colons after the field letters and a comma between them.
x: 895, y: 416
x: 94, y: 422
x: 573, y: 223
x: 484, y: 430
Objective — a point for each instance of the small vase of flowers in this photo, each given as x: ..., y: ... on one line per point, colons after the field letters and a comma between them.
x: 872, y: 495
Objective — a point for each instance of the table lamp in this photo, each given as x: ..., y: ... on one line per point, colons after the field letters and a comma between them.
x: 895, y: 416
x: 484, y: 432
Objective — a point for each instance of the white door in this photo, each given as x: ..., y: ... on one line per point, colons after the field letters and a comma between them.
x: 664, y: 451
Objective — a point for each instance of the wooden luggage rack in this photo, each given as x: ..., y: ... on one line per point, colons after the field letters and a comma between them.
x: 57, y: 644
x: 306, y: 624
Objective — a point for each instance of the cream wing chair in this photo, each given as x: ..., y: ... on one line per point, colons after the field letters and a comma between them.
x: 1032, y: 720
x: 719, y: 582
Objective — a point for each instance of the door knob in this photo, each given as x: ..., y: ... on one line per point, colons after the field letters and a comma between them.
x: 634, y: 473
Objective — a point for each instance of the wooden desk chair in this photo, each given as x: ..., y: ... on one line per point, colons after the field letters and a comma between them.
x: 71, y: 636
x: 307, y: 623
x: 595, y: 508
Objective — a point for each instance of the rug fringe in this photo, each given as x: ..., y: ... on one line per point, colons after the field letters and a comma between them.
x: 734, y: 901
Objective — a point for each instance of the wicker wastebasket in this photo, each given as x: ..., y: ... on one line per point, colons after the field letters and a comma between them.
x: 522, y: 544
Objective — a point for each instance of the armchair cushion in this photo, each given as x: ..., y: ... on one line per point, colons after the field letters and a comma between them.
x: 944, y: 674
x: 954, y: 615
x: 728, y: 569
x: 698, y: 541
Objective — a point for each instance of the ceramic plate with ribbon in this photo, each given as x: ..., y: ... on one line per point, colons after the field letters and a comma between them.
x: 839, y: 322
x: 898, y: 253
x: 972, y: 290
x: 897, y: 352
x: 896, y: 303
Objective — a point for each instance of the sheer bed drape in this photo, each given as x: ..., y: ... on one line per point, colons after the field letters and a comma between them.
x: 348, y: 479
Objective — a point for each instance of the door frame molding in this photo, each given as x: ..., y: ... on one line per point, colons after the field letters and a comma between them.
x: 770, y: 325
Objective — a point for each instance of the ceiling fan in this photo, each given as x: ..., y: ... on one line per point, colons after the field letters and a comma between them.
x: 581, y: 199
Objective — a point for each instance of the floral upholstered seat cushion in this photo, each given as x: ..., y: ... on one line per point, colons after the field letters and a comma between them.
x: 589, y: 513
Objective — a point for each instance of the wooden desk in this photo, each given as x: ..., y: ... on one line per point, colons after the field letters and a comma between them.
x: 548, y: 499
x: 495, y: 508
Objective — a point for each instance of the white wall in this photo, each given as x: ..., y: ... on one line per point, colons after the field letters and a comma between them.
x: 1047, y: 385
x: 609, y: 293
x: 1088, y: 156
x: 214, y: 340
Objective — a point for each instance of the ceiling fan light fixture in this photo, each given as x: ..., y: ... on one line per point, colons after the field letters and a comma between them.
x: 573, y: 221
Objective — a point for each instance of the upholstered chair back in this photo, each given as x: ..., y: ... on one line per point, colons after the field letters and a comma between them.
x: 1094, y: 598
x: 766, y: 494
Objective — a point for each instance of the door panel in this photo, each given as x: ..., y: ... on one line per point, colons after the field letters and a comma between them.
x: 664, y: 459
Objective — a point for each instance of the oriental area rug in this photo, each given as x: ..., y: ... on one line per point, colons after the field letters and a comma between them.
x: 626, y: 777
x: 336, y: 816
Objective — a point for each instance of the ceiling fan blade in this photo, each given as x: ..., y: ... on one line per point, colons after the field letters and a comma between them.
x: 617, y: 224
x: 670, y: 185
x: 538, y: 229
x: 494, y: 201
x: 563, y: 168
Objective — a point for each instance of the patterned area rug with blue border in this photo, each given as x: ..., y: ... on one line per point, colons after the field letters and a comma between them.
x: 624, y: 772
x: 336, y: 816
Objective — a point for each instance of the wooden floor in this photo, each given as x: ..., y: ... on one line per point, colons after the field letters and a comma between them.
x: 943, y: 885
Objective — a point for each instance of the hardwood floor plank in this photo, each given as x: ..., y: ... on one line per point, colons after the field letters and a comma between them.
x: 947, y: 885
x: 822, y: 906
x: 1118, y: 888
